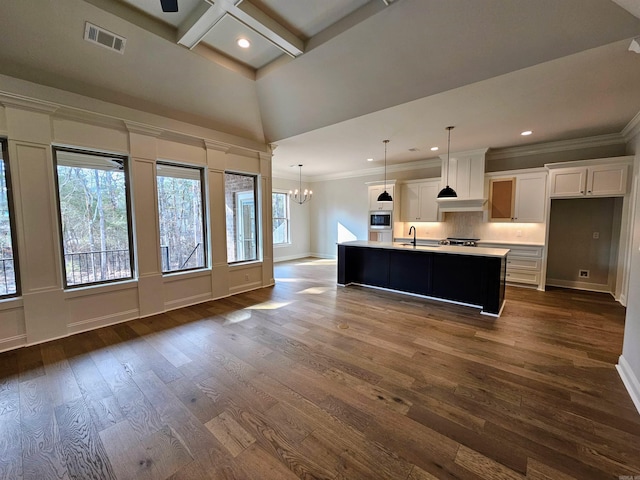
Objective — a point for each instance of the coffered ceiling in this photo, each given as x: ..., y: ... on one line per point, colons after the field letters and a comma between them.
x: 328, y: 80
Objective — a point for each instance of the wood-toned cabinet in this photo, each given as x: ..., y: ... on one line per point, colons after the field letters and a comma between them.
x: 374, y: 193
x: 606, y: 180
x: 418, y: 201
x: 519, y: 198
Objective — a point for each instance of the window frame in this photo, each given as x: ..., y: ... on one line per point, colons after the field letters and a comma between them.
x: 4, y: 146
x: 287, y: 218
x: 203, y: 200
x: 127, y: 187
x: 256, y: 200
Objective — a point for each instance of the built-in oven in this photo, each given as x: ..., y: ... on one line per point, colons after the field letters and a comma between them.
x: 381, y: 220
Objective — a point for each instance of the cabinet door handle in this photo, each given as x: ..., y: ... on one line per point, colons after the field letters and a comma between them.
x: 589, y: 191
x: 581, y: 191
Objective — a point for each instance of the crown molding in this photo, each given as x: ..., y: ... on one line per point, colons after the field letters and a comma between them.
x: 141, y: 128
x: 25, y: 103
x: 559, y: 146
x: 632, y: 129
x: 364, y: 172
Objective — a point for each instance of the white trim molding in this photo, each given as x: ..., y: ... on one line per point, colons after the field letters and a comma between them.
x: 631, y: 382
x: 559, y: 146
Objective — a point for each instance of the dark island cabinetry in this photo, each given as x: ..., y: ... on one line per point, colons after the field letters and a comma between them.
x: 477, y: 279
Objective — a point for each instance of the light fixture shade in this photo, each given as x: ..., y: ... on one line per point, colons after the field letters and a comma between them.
x: 447, y: 192
x: 385, y: 197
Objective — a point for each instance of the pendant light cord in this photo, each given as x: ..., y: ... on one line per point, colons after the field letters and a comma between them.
x: 448, y: 152
x: 385, y: 164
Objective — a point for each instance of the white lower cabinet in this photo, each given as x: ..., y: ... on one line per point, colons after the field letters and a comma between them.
x: 524, y: 263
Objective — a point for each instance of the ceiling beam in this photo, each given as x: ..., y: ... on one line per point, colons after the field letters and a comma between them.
x: 205, y: 16
x: 201, y: 19
x: 257, y: 20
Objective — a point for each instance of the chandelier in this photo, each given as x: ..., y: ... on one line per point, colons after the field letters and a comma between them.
x: 298, y: 195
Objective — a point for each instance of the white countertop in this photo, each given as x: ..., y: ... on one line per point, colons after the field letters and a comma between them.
x: 449, y: 249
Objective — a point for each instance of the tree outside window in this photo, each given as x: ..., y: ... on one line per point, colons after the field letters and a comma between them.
x: 241, y: 215
x: 281, y: 219
x: 9, y: 285
x: 93, y: 204
x: 180, y: 206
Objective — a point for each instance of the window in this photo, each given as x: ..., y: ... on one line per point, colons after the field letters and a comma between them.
x: 280, y: 210
x: 9, y: 283
x: 94, y: 206
x: 180, y: 206
x: 242, y: 220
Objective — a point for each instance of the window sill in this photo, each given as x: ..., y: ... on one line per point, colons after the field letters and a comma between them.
x: 185, y: 274
x: 10, y: 303
x: 101, y: 288
x: 282, y: 245
x: 247, y: 264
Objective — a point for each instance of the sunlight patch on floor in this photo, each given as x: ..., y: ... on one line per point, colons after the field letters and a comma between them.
x: 268, y: 305
x: 316, y: 290
x: 236, y: 317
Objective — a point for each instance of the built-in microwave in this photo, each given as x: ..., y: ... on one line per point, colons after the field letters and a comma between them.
x: 380, y: 220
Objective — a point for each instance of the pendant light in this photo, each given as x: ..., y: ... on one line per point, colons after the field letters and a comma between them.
x: 384, y: 196
x: 298, y: 195
x: 448, y: 192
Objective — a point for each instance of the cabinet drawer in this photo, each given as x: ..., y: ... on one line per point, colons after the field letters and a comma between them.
x: 523, y: 263
x: 524, y: 252
x: 523, y: 276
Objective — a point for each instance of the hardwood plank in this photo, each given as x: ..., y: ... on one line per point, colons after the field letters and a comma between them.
x: 10, y: 445
x: 230, y: 434
x: 42, y: 452
x: 128, y: 456
x: 166, y: 452
x: 85, y: 455
x: 483, y: 466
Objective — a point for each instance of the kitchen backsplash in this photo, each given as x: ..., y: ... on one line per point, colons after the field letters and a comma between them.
x: 474, y: 225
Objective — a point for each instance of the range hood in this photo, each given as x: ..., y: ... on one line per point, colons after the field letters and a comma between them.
x: 464, y: 172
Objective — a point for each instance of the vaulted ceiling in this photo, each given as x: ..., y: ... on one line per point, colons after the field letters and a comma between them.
x: 328, y: 80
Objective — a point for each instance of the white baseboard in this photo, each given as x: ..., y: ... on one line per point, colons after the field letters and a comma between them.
x: 592, y: 287
x: 14, y: 342
x: 630, y: 381
x: 304, y: 255
x: 291, y: 257
x: 323, y: 255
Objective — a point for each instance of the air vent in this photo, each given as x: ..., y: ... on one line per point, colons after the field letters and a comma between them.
x: 104, y: 38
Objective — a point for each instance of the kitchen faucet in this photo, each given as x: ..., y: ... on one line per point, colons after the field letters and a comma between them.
x: 414, y: 234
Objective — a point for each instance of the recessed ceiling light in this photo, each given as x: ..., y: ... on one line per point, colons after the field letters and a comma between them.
x: 369, y: 159
x: 434, y: 149
x: 243, y: 43
x: 526, y: 132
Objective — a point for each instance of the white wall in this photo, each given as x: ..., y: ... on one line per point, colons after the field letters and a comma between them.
x: 300, y: 229
x: 339, y: 213
x: 629, y: 363
x: 45, y: 310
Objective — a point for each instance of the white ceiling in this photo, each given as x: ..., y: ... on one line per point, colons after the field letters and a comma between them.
x: 357, y: 71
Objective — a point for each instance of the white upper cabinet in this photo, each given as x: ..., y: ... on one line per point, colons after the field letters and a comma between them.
x: 531, y: 197
x: 518, y: 198
x: 606, y: 180
x: 418, y: 201
x: 374, y: 193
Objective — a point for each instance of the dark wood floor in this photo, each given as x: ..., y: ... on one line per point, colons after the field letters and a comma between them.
x: 308, y: 380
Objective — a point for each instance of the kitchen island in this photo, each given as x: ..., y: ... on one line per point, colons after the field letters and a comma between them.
x: 473, y: 276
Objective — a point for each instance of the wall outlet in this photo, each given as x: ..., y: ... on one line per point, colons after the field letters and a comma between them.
x: 246, y: 276
x: 596, y: 235
x: 583, y: 273
x: 518, y: 233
